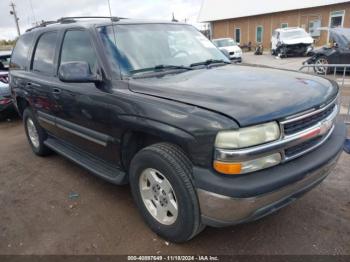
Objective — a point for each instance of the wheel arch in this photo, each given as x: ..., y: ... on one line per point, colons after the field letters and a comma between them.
x: 21, y: 104
x: 143, y: 135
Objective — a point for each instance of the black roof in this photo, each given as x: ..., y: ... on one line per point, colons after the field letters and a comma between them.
x: 92, y: 21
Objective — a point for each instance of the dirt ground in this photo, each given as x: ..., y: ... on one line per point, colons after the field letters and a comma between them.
x: 52, y: 206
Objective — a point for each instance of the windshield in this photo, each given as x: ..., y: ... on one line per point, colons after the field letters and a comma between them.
x: 141, y: 46
x: 224, y: 42
x: 294, y: 34
x: 341, y: 36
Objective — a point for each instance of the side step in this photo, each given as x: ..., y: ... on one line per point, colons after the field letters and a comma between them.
x: 106, y: 171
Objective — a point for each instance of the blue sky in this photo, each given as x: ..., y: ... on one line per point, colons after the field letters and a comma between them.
x: 30, y: 11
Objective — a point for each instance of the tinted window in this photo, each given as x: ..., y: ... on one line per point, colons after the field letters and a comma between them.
x: 77, y: 47
x: 144, y: 46
x: 45, y: 52
x: 20, y: 53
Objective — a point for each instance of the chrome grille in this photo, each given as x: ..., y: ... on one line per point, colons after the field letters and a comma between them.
x: 302, y: 124
x: 295, y: 150
x: 313, y: 121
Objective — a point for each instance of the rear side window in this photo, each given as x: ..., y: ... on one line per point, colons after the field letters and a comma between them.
x: 19, y: 58
x: 44, y: 55
x: 77, y: 47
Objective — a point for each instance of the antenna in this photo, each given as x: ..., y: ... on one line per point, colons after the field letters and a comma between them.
x: 110, y: 13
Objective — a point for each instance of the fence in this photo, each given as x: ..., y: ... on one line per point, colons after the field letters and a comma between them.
x: 337, y: 73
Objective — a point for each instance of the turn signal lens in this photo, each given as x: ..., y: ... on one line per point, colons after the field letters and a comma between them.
x: 247, y: 166
x: 228, y: 168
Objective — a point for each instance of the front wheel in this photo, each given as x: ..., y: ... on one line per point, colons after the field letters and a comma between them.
x: 162, y: 186
x: 320, y: 67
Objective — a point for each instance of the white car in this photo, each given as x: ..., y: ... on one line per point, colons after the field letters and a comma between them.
x: 230, y: 46
x: 292, y: 41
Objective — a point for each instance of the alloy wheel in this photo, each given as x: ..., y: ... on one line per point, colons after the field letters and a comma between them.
x: 158, y: 196
x: 319, y: 68
x: 32, y: 133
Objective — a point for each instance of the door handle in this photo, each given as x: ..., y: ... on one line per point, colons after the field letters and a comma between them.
x: 30, y: 84
x: 56, y: 91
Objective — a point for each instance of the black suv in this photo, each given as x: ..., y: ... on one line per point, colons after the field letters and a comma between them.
x: 158, y: 106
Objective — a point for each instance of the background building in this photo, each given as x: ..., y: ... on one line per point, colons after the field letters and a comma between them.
x: 254, y: 21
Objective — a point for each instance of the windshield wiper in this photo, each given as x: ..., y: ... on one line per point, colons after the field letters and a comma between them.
x: 160, y: 68
x: 210, y: 61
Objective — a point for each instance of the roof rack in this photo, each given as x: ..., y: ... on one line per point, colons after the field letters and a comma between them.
x: 72, y: 19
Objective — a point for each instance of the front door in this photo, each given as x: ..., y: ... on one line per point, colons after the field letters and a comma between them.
x: 344, y: 55
x: 83, y: 117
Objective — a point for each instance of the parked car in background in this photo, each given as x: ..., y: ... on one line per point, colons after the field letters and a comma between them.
x: 6, y: 105
x: 201, y: 141
x: 5, y: 57
x: 338, y: 52
x: 291, y: 41
x: 231, y: 46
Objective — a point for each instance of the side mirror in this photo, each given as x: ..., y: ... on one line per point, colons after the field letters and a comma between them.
x: 225, y: 52
x: 77, y: 72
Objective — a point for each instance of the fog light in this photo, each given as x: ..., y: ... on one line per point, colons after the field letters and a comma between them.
x: 249, y: 166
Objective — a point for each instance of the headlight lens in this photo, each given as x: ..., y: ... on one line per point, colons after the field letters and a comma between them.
x: 247, y: 137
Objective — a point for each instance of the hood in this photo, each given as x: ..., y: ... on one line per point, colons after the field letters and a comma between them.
x: 323, y: 51
x: 249, y: 95
x: 294, y: 41
x: 233, y: 48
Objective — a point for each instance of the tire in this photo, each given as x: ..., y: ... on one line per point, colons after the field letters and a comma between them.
x: 36, y: 144
x: 167, y: 161
x: 319, y: 69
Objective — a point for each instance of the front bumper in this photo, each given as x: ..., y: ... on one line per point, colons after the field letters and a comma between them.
x: 236, y: 58
x: 232, y: 200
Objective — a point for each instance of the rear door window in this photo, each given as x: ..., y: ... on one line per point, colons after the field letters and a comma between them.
x: 44, y: 55
x: 77, y: 47
x: 19, y: 59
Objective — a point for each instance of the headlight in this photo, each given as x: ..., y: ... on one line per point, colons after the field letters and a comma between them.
x: 247, y: 137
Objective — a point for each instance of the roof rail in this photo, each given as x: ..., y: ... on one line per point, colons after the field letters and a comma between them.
x: 72, y: 19
x: 42, y: 24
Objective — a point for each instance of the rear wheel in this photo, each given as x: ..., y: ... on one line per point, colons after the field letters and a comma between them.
x: 320, y: 67
x: 162, y: 186
x: 35, y: 133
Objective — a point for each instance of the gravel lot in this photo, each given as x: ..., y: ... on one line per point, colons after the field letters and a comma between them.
x: 38, y: 215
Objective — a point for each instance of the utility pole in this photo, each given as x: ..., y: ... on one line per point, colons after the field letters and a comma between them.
x: 110, y: 10
x: 13, y: 12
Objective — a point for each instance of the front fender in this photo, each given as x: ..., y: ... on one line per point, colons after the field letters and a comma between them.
x: 159, y: 129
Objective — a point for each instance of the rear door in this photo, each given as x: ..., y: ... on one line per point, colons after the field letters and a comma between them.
x: 40, y: 82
